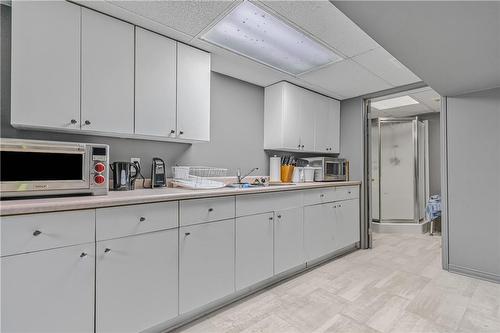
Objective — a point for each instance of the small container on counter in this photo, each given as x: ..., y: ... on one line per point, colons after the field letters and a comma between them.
x: 309, y: 173
x: 298, y: 175
x: 286, y: 173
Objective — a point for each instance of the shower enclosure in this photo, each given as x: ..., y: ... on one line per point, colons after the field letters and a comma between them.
x: 399, y: 151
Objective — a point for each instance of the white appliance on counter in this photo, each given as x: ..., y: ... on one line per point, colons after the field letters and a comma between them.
x: 43, y: 168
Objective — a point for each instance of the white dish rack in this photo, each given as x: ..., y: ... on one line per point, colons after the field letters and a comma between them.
x: 197, y: 177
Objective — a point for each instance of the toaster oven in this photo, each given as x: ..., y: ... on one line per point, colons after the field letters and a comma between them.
x: 42, y: 168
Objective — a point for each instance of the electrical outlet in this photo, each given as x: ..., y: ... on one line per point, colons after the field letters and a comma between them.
x: 135, y: 159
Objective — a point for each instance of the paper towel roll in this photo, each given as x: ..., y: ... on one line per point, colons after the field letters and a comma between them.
x: 275, y: 169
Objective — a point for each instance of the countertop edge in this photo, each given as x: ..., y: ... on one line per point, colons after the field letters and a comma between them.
x: 143, y: 196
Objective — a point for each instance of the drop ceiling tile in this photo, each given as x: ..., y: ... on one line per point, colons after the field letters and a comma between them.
x: 383, y: 64
x: 189, y: 17
x: 430, y: 98
x: 324, y: 21
x: 346, y: 78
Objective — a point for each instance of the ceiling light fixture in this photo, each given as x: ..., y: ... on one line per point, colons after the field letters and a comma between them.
x: 393, y: 103
x: 252, y: 32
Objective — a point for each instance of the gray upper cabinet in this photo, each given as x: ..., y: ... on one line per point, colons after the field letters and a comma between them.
x: 77, y: 70
x: 327, y: 125
x: 155, y: 84
x: 45, y: 64
x: 107, y: 74
x: 193, y: 93
x: 296, y: 119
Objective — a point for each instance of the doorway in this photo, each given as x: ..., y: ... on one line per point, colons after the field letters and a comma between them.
x: 402, y: 162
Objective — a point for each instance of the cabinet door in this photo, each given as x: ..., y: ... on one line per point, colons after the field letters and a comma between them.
x: 193, y: 93
x: 288, y: 239
x: 292, y: 106
x: 155, y: 84
x: 46, y: 64
x: 347, y: 226
x: 136, y: 281
x: 327, y: 125
x: 333, y: 121
x: 49, y: 291
x: 254, y: 249
x: 309, y: 104
x: 206, y: 263
x: 319, y: 224
x: 107, y: 74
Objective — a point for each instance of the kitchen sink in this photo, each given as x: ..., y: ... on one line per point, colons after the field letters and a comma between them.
x: 248, y: 185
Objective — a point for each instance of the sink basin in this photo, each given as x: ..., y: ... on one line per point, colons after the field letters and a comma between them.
x: 242, y: 185
x: 248, y: 185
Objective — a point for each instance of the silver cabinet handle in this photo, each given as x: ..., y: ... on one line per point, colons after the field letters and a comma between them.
x: 142, y: 219
x: 298, y: 146
x: 106, y: 250
x: 279, y: 216
x: 172, y: 131
x: 83, y: 254
x: 187, y: 234
x: 181, y: 132
x: 210, y: 209
x: 73, y: 121
x: 87, y: 122
x: 302, y: 146
x: 36, y: 233
x: 271, y: 218
x: 321, y: 195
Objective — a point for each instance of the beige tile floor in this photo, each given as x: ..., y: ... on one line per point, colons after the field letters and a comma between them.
x: 398, y: 286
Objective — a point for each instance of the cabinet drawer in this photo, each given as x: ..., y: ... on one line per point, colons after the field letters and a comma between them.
x: 33, y: 232
x: 322, y: 195
x: 122, y: 221
x: 206, y: 210
x: 346, y: 193
x: 268, y: 202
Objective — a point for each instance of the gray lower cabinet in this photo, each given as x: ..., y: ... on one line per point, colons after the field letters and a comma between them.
x: 347, y: 225
x: 288, y: 239
x: 49, y: 291
x: 319, y: 235
x: 254, y: 249
x: 136, y: 281
x: 206, y: 266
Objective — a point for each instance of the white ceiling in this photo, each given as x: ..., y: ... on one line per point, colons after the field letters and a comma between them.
x: 454, y: 46
x: 366, y: 67
x: 428, y: 100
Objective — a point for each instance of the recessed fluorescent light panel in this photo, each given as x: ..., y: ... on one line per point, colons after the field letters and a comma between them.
x: 254, y: 33
x: 393, y: 103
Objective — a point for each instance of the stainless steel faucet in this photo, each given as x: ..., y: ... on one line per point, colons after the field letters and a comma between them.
x: 240, y: 178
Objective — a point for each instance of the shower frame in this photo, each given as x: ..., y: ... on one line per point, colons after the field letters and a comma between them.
x: 416, y: 163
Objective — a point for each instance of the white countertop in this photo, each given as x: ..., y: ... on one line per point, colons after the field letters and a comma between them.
x: 39, y: 205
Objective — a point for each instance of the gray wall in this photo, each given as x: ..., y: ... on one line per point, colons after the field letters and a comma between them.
x: 351, y: 135
x: 237, y: 112
x: 473, y: 137
x: 434, y: 152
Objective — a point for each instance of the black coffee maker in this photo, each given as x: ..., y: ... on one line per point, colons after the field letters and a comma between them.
x: 123, y: 178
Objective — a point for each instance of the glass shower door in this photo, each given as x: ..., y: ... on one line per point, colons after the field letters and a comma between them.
x: 397, y: 171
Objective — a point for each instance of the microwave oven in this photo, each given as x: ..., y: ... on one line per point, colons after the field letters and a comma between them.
x: 44, y: 168
x: 329, y: 169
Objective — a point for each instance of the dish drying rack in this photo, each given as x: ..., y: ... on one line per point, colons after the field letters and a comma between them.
x: 198, y: 177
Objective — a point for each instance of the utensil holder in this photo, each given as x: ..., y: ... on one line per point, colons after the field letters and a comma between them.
x: 286, y: 173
